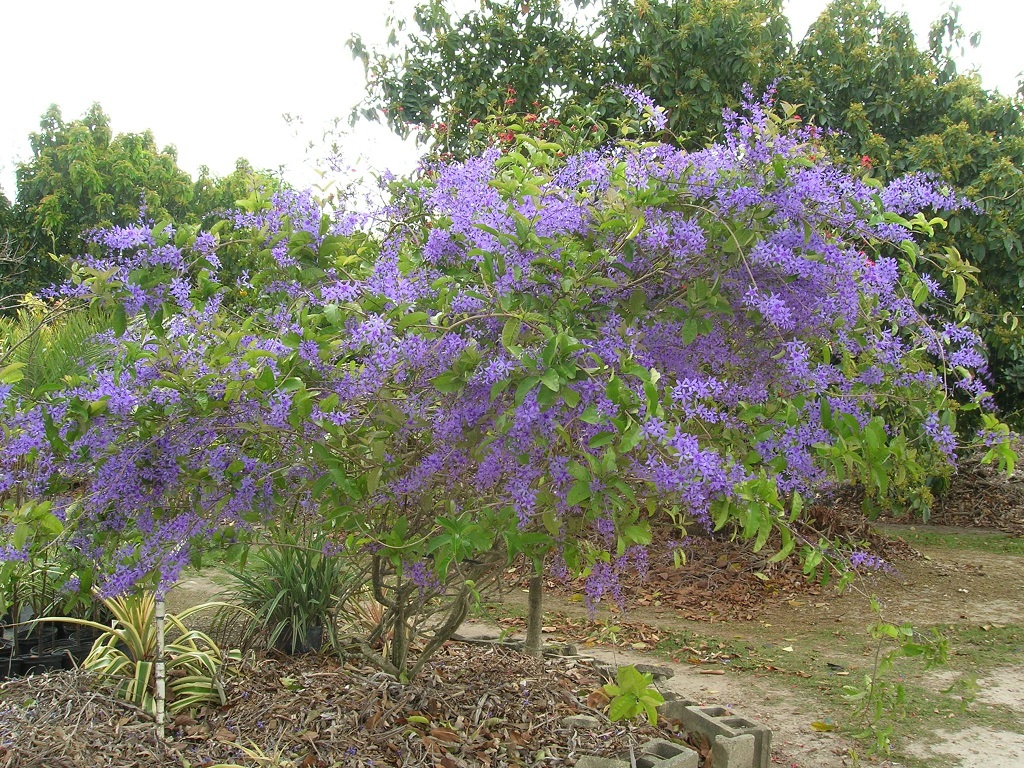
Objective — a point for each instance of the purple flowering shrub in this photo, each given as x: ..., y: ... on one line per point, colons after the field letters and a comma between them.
x: 521, y: 354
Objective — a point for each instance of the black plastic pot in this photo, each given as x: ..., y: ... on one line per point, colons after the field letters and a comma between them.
x: 43, y: 663
x: 57, y: 646
x: 40, y: 635
x: 312, y: 641
x: 84, y: 634
x: 74, y: 657
x: 10, y: 667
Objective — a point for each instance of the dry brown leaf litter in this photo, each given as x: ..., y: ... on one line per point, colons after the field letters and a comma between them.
x: 474, y: 706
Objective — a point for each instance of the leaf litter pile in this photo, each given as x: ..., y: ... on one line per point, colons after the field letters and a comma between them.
x: 722, y: 579
x: 981, y: 497
x: 472, y: 706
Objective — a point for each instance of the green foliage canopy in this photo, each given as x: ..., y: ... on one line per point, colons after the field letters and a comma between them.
x: 692, y: 58
x: 82, y: 177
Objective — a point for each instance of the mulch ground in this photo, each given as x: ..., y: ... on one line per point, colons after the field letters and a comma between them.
x: 473, y: 706
x: 980, y: 497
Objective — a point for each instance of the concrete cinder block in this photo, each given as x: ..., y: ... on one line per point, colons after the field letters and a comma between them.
x: 662, y: 748
x: 688, y: 758
x: 674, y: 708
x: 733, y: 751
x: 719, y: 721
x: 667, y: 754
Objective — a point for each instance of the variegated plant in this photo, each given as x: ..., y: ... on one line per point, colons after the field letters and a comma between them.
x: 125, y: 655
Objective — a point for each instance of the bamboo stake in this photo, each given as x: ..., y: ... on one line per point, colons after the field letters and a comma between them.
x: 161, y: 692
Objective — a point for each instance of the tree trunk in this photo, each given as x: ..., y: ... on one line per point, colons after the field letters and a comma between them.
x: 535, y: 613
x: 400, y: 633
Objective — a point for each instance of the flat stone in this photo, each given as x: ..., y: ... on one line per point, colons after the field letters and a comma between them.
x: 659, y: 672
x: 589, y: 761
x: 581, y: 722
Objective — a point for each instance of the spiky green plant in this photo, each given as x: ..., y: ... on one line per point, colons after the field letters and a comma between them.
x: 125, y: 656
x: 48, y: 343
x: 290, y: 588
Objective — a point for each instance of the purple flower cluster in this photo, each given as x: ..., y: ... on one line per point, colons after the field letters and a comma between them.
x: 865, y: 561
x: 655, y: 115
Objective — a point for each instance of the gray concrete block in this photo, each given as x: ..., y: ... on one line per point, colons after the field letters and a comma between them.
x: 733, y: 751
x: 674, y: 708
x: 667, y: 754
x: 662, y: 748
x: 719, y: 721
x: 688, y: 758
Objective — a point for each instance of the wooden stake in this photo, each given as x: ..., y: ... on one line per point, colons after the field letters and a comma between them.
x: 535, y: 614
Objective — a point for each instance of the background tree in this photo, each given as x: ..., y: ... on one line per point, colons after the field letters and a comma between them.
x: 5, y: 211
x: 214, y: 195
x: 82, y: 177
x: 11, y: 260
x: 692, y: 58
x: 893, y: 108
x: 899, y: 110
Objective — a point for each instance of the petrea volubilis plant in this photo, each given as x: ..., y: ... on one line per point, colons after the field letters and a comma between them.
x: 520, y: 354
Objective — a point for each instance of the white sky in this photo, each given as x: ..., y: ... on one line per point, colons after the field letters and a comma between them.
x: 214, y: 77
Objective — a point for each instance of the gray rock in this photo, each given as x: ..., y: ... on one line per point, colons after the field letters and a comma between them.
x: 589, y: 761
x: 659, y: 672
x: 581, y: 722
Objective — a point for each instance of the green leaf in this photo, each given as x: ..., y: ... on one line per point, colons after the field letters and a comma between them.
x: 265, y: 381
x: 689, y: 330
x: 524, y: 388
x: 510, y: 333
x: 119, y: 322
x: 651, y: 708
x: 623, y: 707
x: 447, y: 382
x: 571, y: 397
x: 12, y: 373
x: 551, y: 379
x: 637, y: 534
x: 631, y: 439
x: 580, y: 491
x: 959, y: 288
x: 498, y: 387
